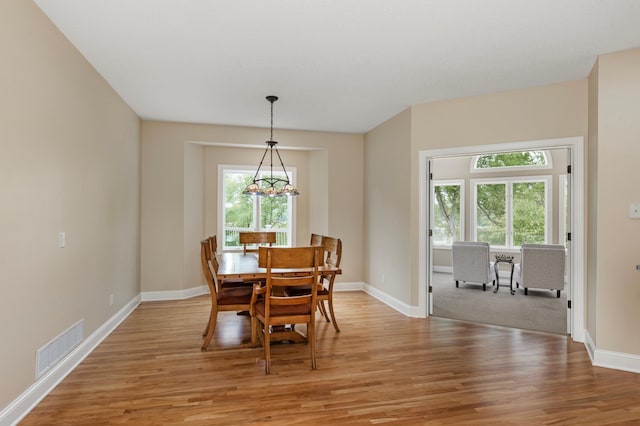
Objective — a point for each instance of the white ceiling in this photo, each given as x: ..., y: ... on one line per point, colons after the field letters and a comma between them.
x: 337, y: 65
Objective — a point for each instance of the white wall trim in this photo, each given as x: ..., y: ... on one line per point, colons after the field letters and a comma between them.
x: 591, y: 347
x: 353, y: 286
x: 398, y: 305
x: 22, y: 405
x: 610, y: 359
x: 157, y: 296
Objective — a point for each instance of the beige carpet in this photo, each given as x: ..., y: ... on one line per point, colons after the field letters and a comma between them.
x: 541, y: 310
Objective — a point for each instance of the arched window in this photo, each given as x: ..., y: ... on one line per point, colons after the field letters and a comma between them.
x: 511, y: 160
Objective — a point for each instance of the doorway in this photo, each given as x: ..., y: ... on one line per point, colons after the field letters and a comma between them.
x: 431, y: 262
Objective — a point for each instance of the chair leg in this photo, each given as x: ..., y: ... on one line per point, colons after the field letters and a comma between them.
x: 456, y: 283
x: 558, y: 294
x: 267, y: 350
x: 484, y: 287
x: 333, y: 315
x: 254, y: 331
x: 323, y: 310
x: 526, y: 291
x: 311, y: 337
x: 206, y: 329
x: 210, y: 329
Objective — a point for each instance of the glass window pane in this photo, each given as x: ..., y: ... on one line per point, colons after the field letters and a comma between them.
x: 238, y: 208
x: 252, y: 213
x: 446, y: 214
x: 511, y: 159
x: 528, y: 213
x: 274, y: 213
x: 491, y: 214
x: 274, y: 216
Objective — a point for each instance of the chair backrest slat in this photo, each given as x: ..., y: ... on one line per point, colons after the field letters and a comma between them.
x: 316, y: 240
x: 247, y: 238
x: 209, y: 267
x: 333, y: 250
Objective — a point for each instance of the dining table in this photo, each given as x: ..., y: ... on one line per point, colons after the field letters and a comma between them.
x: 251, y: 266
x: 248, y: 266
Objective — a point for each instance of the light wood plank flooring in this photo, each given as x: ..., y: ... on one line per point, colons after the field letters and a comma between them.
x: 382, y: 368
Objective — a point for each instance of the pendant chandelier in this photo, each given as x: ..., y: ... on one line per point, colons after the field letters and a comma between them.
x: 271, y: 186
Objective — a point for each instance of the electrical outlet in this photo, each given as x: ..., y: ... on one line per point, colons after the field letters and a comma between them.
x: 634, y: 211
x: 638, y: 268
x: 62, y: 239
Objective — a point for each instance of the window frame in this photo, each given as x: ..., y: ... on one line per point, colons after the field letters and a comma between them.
x: 251, y: 170
x: 508, y: 182
x: 546, y: 153
x: 449, y: 182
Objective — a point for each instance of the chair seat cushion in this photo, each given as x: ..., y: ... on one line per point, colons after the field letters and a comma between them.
x: 234, y: 295
x: 283, y: 310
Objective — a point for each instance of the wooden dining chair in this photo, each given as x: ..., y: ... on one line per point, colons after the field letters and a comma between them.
x: 222, y: 298
x: 229, y: 282
x: 333, y: 251
x: 256, y: 238
x: 316, y: 240
x: 213, y: 245
x: 271, y: 306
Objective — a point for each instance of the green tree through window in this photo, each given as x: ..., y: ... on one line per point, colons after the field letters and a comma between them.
x: 528, y: 213
x: 242, y: 212
x: 447, y: 213
x: 491, y: 214
x: 511, y: 159
x: 512, y: 211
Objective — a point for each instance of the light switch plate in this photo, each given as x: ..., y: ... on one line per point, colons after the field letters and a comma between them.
x: 634, y: 210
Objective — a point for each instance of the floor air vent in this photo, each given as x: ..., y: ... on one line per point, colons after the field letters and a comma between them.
x: 58, y: 347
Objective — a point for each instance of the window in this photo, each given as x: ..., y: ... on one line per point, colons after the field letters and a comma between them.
x: 448, y: 212
x: 239, y: 212
x: 513, y: 161
x: 511, y: 211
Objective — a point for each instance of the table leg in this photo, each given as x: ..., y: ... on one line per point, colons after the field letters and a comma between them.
x: 496, y: 270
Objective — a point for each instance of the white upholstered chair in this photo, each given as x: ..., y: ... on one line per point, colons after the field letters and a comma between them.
x: 541, y: 266
x: 471, y: 263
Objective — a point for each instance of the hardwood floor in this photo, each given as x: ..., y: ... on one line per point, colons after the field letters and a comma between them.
x: 381, y: 368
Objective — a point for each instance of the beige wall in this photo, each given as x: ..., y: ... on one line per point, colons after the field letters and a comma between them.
x: 546, y: 112
x: 387, y: 195
x: 339, y: 169
x: 193, y: 214
x: 617, y: 186
x: 70, y: 162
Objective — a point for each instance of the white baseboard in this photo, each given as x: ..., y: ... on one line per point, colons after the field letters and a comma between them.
x: 403, y: 308
x: 156, y: 296
x: 610, y: 359
x: 353, y: 286
x: 22, y: 405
